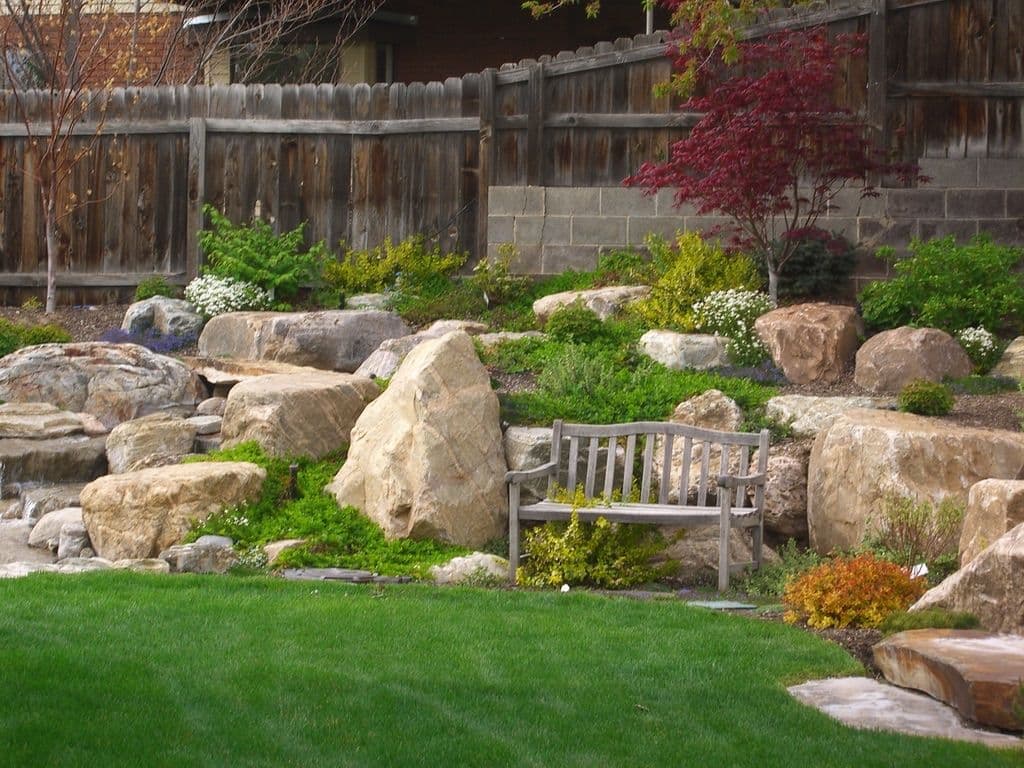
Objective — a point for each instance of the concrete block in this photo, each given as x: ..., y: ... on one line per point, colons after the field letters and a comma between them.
x: 975, y: 203
x: 916, y: 203
x: 719, y: 227
x: 568, y: 201
x: 1003, y: 231
x: 846, y: 226
x: 500, y: 229
x: 542, y: 230
x: 869, y: 265
x: 1001, y: 173
x: 639, y: 227
x: 525, y: 261
x: 599, y: 230
x: 559, y: 258
x: 945, y: 172
x: 849, y: 203
x: 872, y: 233
x: 1014, y: 203
x: 515, y: 201
x: 962, y: 229
x: 618, y: 201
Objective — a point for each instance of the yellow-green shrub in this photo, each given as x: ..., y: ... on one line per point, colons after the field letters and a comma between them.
x: 861, y: 591
x: 690, y: 268
x: 380, y: 268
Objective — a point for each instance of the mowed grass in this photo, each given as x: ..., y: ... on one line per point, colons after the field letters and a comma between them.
x: 137, y: 670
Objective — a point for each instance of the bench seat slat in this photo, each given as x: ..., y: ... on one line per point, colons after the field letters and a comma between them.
x: 656, y: 514
x: 659, y: 428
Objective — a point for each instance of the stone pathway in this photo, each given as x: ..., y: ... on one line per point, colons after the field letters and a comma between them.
x: 349, y: 575
x: 861, y: 702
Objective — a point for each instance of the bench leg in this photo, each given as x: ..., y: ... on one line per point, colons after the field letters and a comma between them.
x: 513, y: 532
x: 723, y: 539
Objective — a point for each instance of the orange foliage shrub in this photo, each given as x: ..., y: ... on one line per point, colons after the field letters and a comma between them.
x: 860, y: 591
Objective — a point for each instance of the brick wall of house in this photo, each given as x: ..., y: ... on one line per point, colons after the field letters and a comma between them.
x: 559, y: 228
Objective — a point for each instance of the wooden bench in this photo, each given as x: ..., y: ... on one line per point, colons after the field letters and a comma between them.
x: 725, y: 505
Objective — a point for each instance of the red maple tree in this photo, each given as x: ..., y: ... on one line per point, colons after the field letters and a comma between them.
x: 773, y: 147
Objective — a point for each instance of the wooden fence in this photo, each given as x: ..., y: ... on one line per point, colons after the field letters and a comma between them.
x: 942, y: 78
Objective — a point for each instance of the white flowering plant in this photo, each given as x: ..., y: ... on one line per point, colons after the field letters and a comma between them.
x: 212, y: 295
x: 732, y: 314
x: 982, y: 346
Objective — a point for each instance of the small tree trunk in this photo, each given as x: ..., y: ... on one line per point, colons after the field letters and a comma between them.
x: 52, y: 254
x: 773, y: 282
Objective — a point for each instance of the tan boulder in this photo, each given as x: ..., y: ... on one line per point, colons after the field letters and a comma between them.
x: 426, y: 459
x: 140, y: 514
x: 977, y: 673
x: 785, y: 490
x: 1012, y: 361
x: 991, y: 586
x: 603, y: 302
x: 37, y: 421
x: 152, y: 441
x: 309, y: 415
x: 892, y: 359
x: 811, y: 342
x: 113, y: 382
x: 710, y: 410
x: 807, y: 415
x: 993, y: 508
x: 868, y: 454
x: 333, y: 340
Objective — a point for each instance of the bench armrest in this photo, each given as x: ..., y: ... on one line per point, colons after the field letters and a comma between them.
x: 734, y: 482
x: 521, y: 475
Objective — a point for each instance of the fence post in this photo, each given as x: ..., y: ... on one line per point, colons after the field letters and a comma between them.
x: 877, y: 76
x: 535, y: 126
x: 196, y: 193
x: 488, y: 154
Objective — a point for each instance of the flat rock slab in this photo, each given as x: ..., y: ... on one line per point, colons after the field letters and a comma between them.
x: 861, y: 702
x: 978, y: 673
x: 807, y: 415
x: 55, y: 461
x: 722, y: 605
x: 222, y: 372
x: 341, y: 574
x: 37, y: 421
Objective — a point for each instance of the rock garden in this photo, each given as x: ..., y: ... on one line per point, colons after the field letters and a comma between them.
x: 254, y: 427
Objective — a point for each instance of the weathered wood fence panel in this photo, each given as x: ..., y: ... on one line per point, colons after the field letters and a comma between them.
x: 942, y: 78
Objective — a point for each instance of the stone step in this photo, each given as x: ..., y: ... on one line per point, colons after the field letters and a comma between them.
x: 53, y: 461
x: 977, y: 673
x: 861, y: 702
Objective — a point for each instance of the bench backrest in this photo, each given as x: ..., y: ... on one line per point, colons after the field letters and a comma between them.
x: 636, y: 471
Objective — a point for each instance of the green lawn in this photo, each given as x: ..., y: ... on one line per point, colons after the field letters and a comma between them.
x: 137, y: 670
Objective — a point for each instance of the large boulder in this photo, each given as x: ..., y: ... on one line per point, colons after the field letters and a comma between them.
x: 603, y: 302
x: 699, y: 351
x: 710, y: 410
x: 163, y: 316
x: 151, y: 441
x: 384, y: 361
x: 426, y: 458
x: 113, y: 382
x: 335, y: 340
x: 892, y: 359
x: 868, y: 454
x: 993, y: 508
x: 811, y: 342
x: 140, y: 514
x: 807, y: 415
x: 1012, y: 361
x: 991, y: 586
x: 59, y: 460
x: 38, y: 421
x: 311, y: 415
x: 785, y: 491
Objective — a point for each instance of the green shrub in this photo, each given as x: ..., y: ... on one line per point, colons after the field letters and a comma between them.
x: 624, y: 266
x: 599, y: 554
x: 493, y: 278
x: 925, y: 398
x: 952, y: 287
x: 574, y: 324
x: 156, y: 285
x: 912, y: 532
x: 861, y: 591
x: 255, y: 254
x: 16, y: 335
x: 930, y: 618
x: 771, y: 579
x: 335, y: 536
x: 689, y: 269
x: 820, y: 266
x: 405, y: 266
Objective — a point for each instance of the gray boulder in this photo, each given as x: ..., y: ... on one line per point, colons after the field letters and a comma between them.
x: 164, y: 316
x: 46, y: 533
x: 679, y: 351
x: 72, y: 541
x: 207, y: 554
x: 151, y: 441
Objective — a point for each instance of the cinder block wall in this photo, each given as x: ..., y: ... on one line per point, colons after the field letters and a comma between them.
x: 559, y: 228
